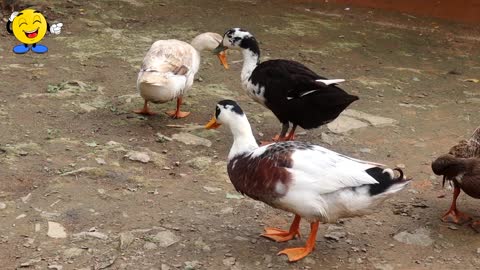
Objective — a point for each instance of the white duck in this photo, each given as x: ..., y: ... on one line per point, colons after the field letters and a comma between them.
x: 169, y: 68
x: 308, y: 180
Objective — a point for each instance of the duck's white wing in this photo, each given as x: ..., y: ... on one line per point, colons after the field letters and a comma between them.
x: 319, y: 170
x: 170, y: 55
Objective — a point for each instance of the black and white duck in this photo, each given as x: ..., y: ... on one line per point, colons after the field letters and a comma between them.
x: 292, y: 91
x: 308, y: 180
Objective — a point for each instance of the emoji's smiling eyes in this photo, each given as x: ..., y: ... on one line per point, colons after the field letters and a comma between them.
x: 21, y: 22
x: 36, y: 19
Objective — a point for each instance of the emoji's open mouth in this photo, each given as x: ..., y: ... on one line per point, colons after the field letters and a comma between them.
x: 31, y: 34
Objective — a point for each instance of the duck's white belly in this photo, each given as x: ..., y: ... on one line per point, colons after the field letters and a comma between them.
x: 328, y: 208
x: 163, y: 87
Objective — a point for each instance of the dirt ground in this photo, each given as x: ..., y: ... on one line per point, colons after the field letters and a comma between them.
x: 67, y: 132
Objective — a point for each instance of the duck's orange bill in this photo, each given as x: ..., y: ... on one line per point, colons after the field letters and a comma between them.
x: 223, y: 59
x: 212, y: 124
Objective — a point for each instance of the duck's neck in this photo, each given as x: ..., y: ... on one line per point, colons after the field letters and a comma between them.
x: 250, y: 62
x: 243, y: 139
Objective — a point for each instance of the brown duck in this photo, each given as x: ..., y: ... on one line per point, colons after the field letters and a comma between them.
x: 465, y: 175
x: 454, y: 166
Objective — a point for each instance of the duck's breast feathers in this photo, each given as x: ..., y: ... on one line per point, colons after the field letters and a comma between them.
x: 261, y: 174
x: 170, y: 55
x: 470, y: 182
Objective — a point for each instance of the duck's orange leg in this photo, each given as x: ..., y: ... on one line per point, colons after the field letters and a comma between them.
x: 144, y: 110
x: 291, y: 135
x: 177, y: 113
x: 295, y: 254
x: 454, y: 215
x: 282, y: 235
x: 282, y: 136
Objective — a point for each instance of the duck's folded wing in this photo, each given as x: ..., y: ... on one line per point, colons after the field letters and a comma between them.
x: 324, y: 171
x: 169, y: 56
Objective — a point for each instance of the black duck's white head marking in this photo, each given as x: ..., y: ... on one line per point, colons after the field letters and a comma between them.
x: 240, y: 38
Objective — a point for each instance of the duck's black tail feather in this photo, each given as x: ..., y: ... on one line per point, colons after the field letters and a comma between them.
x: 387, y: 182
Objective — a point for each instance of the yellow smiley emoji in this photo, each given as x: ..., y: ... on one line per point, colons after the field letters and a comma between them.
x: 29, y: 26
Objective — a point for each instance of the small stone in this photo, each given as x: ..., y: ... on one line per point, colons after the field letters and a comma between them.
x: 87, y: 108
x: 190, y: 139
x: 138, y: 156
x: 478, y: 250
x: 55, y: 267
x: 335, y: 235
x: 72, y: 252
x: 30, y: 262
x: 56, y: 230
x: 420, y: 237
x: 330, y: 139
x: 101, y: 191
x: 38, y: 227
x: 309, y: 260
x: 199, y: 163
x: 26, y: 198
x: 101, y: 161
x: 91, y: 144
x: 165, y: 238
x: 162, y: 138
x: 229, y: 261
x: 92, y: 234
x: 240, y: 238
x: 3, y: 205
x: 150, y: 246
x: 191, y: 265
x: 212, y: 189
x: 21, y: 216
x: 226, y: 210
x: 452, y: 227
x: 365, y: 150
x: 234, y: 196
x: 164, y: 267
x: 126, y: 238
x: 344, y: 124
x: 401, y: 166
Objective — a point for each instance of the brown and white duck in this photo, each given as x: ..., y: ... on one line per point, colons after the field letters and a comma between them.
x: 308, y: 180
x: 465, y: 175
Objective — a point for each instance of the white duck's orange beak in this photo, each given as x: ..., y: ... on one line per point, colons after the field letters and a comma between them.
x: 212, y: 124
x: 223, y: 59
